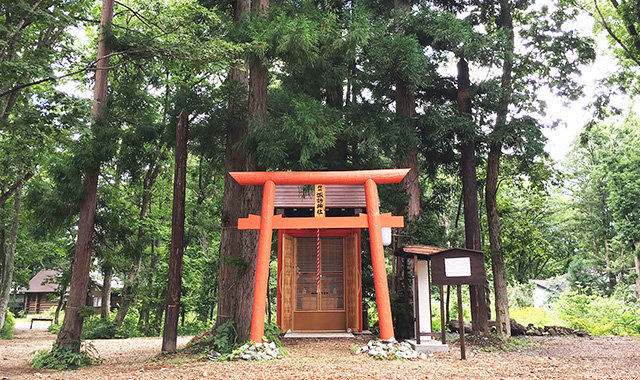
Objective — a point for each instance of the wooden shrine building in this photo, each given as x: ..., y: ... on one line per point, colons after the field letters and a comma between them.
x: 319, y: 268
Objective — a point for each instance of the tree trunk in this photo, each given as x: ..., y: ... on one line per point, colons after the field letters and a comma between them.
x: 131, y: 282
x: 636, y: 261
x: 479, y: 310
x: 128, y: 290
x: 503, y: 324
x: 174, y: 285
x: 468, y: 163
x: 107, y: 276
x: 406, y: 108
x: 238, y: 248
x: 69, y: 335
x: 7, y: 264
x: 71, y: 330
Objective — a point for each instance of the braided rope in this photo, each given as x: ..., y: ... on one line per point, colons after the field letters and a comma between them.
x: 318, y: 258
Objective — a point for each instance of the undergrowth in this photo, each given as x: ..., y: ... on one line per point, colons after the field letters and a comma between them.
x: 61, y: 358
x: 7, y: 330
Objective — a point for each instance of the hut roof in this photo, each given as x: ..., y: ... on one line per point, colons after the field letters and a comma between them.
x: 44, y: 282
x: 426, y: 251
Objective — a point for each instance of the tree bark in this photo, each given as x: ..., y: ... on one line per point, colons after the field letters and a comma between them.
x: 238, y: 248
x: 69, y: 335
x: 636, y: 261
x: 107, y: 276
x: 406, y: 108
x: 479, y: 310
x: 71, y: 330
x: 8, y: 259
x: 503, y: 324
x: 174, y: 285
x: 468, y: 163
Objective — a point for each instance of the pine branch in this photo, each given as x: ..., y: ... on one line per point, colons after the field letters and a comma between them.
x: 89, y: 67
x: 139, y: 16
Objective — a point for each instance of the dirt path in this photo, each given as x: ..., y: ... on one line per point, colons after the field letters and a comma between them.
x: 547, y: 358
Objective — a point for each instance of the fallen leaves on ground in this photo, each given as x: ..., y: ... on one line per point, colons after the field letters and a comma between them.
x: 545, y: 358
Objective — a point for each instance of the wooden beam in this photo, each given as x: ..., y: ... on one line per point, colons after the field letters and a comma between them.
x: 357, y: 177
x: 280, y: 222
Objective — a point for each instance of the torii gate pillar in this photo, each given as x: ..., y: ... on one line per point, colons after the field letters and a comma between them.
x: 375, y: 222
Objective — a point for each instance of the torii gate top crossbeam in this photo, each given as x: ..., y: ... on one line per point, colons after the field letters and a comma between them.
x: 358, y: 177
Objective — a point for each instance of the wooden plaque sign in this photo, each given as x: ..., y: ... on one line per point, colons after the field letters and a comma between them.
x: 458, y: 267
x: 318, y: 210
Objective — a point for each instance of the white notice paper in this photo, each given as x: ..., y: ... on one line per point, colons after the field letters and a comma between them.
x: 457, y: 267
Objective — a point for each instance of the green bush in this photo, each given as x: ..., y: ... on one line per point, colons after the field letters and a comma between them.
x: 54, y: 328
x: 599, y: 315
x: 7, y: 329
x: 96, y: 328
x: 61, y: 358
x: 193, y: 325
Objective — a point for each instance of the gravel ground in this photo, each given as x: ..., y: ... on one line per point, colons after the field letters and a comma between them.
x: 545, y: 358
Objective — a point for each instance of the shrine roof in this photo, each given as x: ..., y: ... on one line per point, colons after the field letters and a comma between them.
x: 336, y: 196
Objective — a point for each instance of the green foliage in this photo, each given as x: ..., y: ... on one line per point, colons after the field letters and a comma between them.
x: 7, y: 330
x: 225, y: 339
x: 54, y: 328
x: 193, y: 326
x: 300, y: 131
x: 599, y: 315
x: 272, y: 334
x: 520, y: 295
x: 61, y: 358
x: 97, y: 328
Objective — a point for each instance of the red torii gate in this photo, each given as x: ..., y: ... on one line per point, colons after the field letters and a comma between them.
x: 266, y: 223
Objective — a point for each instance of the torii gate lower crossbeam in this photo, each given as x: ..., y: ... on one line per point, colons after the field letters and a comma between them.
x: 369, y: 179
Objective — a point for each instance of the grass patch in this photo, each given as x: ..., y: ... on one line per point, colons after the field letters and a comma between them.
x: 537, y: 316
x: 495, y: 343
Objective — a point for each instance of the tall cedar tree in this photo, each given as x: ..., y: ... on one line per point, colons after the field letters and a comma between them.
x: 406, y: 109
x: 479, y: 312
x: 503, y: 324
x: 71, y: 330
x: 238, y: 248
